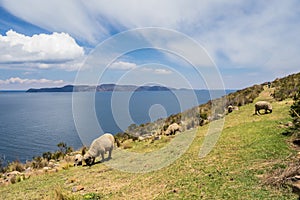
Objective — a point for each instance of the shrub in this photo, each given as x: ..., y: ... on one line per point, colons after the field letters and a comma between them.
x: 13, y: 179
x: 295, y: 111
x: 3, y: 164
x: 69, y: 149
x: 286, y: 87
x: 62, y: 147
x: 16, y: 166
x: 39, y: 162
x: 47, y: 155
x: 57, y: 155
x: 91, y: 196
x: 83, y: 150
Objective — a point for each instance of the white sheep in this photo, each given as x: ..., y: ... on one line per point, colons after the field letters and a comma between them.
x: 99, y: 147
x: 172, y: 129
x: 263, y: 105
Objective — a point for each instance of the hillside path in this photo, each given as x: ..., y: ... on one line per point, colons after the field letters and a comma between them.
x: 266, y: 94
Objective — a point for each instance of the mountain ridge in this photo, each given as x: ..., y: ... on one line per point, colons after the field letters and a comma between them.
x: 101, y: 88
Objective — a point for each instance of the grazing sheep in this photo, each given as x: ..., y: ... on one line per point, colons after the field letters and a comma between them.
x: 203, y: 122
x: 78, y: 159
x: 172, y: 129
x: 99, y: 147
x: 263, y: 105
x: 230, y: 108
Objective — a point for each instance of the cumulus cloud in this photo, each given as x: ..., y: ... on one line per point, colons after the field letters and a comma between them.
x: 238, y: 34
x: 59, y: 16
x: 42, y: 49
x: 92, y: 20
x: 18, y: 80
x: 245, y: 33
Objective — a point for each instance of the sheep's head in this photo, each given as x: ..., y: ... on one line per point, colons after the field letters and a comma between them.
x: 78, y: 160
x: 270, y: 108
x: 88, y: 159
x: 230, y: 109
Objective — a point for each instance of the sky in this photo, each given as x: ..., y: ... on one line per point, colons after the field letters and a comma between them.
x: 185, y: 43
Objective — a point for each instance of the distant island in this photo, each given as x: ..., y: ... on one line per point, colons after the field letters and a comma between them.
x: 100, y: 88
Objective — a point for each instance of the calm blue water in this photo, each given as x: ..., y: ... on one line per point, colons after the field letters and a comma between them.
x: 33, y: 123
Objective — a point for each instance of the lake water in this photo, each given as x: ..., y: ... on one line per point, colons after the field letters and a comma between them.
x: 33, y: 123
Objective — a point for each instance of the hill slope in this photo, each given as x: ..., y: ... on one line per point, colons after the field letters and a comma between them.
x: 100, y: 88
x: 250, y: 147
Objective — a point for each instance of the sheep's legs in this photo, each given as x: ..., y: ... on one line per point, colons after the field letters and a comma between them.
x: 109, y: 154
x: 102, y: 155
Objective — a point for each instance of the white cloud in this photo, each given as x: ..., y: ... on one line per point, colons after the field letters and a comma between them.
x: 244, y: 31
x: 162, y: 71
x: 44, y: 50
x: 121, y: 65
x: 254, y: 35
x: 238, y: 34
x: 59, y: 16
x: 17, y: 80
x: 91, y: 20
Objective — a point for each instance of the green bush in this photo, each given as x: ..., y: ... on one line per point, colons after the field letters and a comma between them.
x: 286, y: 87
x: 39, y: 162
x: 16, y: 166
x: 91, y: 196
x: 47, y: 155
x: 295, y: 111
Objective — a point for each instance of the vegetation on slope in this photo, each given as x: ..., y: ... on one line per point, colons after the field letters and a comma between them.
x: 281, y: 88
x: 286, y: 87
x: 295, y: 113
x: 250, y: 147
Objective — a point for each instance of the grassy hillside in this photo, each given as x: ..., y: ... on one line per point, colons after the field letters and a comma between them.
x: 249, y: 148
x: 281, y: 89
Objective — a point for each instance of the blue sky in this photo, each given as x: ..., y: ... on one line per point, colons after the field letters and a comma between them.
x: 46, y: 43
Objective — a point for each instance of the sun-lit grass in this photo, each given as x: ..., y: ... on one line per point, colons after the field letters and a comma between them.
x: 148, y: 145
x: 249, y: 147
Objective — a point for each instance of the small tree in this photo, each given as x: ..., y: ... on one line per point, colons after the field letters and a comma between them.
x: 37, y: 162
x: 47, y: 155
x: 295, y: 111
x: 63, y: 148
x: 16, y: 166
x: 69, y: 149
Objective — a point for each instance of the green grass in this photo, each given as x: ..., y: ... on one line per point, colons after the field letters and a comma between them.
x: 249, y: 147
